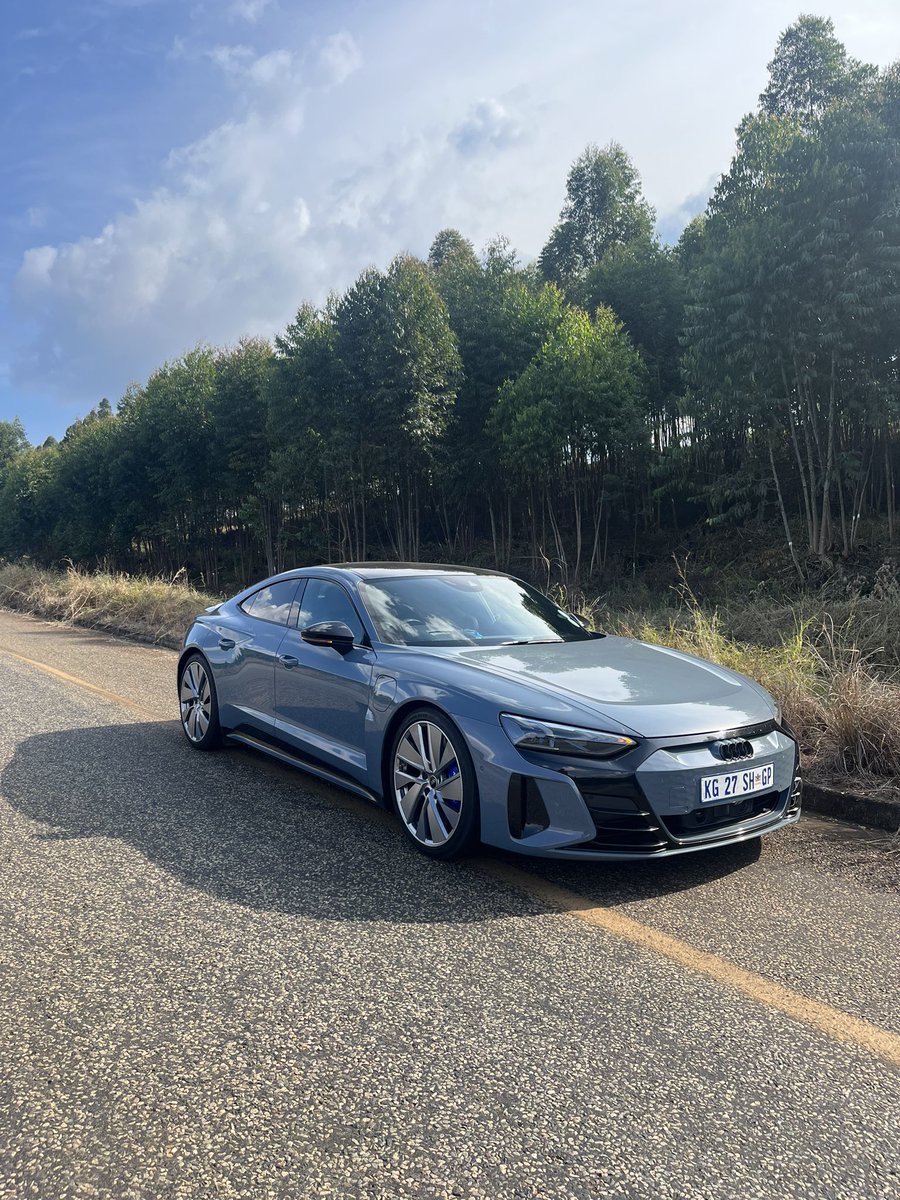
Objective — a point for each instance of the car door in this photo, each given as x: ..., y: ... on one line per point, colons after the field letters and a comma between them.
x: 247, y: 683
x: 322, y: 695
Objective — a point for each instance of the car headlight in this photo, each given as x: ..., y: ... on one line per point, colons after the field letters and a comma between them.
x: 778, y: 712
x: 528, y: 733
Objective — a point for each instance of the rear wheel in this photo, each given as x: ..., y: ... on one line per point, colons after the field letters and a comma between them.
x: 433, y: 784
x: 198, y: 704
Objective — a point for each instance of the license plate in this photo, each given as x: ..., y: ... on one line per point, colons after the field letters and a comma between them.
x: 714, y: 789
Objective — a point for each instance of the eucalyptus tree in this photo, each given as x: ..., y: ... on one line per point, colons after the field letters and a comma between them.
x: 500, y: 318
x: 643, y: 283
x: 572, y: 425
x: 791, y: 325
x: 166, y: 473
x: 12, y: 442
x: 82, y: 489
x: 308, y: 469
x: 604, y: 207
x: 27, y: 510
x: 811, y: 71
x: 239, y: 411
x: 396, y: 377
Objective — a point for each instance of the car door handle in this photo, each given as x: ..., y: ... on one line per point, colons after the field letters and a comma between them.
x: 226, y: 643
x: 288, y: 660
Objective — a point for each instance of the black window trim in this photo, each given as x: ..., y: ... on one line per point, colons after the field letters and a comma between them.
x: 293, y: 612
x: 307, y: 579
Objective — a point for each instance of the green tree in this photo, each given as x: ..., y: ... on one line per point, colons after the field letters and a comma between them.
x: 604, y: 207
x: 571, y: 424
x: 500, y: 319
x: 643, y: 283
x: 12, y: 442
x: 398, y: 368
x: 811, y: 71
x: 793, y: 309
x: 310, y: 473
x: 27, y: 508
x: 84, y: 496
x: 166, y: 473
x: 240, y: 422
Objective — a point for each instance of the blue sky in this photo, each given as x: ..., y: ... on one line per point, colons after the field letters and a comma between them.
x: 179, y: 171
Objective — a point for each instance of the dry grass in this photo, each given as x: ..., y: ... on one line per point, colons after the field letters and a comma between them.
x: 154, y: 610
x: 843, y: 701
x: 844, y: 709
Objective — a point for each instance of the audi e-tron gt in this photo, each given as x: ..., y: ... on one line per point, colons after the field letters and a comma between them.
x: 476, y: 708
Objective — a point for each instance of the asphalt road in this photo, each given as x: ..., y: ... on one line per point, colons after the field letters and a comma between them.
x: 221, y: 979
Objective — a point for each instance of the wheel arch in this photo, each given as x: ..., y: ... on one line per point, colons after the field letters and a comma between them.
x: 390, y: 732
x: 185, y: 655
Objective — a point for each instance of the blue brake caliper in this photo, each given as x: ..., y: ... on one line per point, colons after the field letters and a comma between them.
x: 452, y: 772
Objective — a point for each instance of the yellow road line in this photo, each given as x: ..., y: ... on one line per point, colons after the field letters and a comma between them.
x: 836, y: 1024
x: 83, y: 683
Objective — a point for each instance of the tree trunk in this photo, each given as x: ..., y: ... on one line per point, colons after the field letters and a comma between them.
x: 825, y: 523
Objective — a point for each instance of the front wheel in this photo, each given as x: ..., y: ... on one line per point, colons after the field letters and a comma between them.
x: 198, y: 704
x: 433, y: 784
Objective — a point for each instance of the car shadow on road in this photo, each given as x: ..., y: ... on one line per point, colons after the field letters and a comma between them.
x: 244, y: 830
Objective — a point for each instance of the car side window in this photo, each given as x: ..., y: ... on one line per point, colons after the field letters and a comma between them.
x: 272, y: 603
x: 326, y: 601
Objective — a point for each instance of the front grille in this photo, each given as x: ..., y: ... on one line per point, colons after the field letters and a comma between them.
x: 717, y: 816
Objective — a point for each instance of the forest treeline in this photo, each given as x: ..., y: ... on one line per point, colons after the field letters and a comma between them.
x: 550, y: 413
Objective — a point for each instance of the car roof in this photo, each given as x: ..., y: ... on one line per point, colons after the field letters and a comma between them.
x: 381, y: 570
x: 385, y: 570
x: 360, y: 572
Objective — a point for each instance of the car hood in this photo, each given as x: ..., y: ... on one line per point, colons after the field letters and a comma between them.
x: 651, y: 690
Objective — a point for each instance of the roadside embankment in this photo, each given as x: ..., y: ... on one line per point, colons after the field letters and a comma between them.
x: 845, y: 713
x: 150, y: 610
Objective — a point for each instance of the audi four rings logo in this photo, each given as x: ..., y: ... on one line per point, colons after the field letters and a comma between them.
x: 734, y: 749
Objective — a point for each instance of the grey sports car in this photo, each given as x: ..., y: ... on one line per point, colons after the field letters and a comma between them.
x: 476, y: 708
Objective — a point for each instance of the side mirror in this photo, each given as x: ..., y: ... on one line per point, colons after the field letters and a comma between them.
x: 335, y: 634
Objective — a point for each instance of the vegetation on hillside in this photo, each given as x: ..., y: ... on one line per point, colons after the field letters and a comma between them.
x: 552, y: 418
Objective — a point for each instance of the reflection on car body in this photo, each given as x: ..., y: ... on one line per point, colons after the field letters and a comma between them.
x: 475, y: 707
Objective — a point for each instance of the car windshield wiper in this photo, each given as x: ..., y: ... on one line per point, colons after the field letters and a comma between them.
x: 533, y: 642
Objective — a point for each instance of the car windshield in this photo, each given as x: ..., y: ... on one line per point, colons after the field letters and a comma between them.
x: 465, y: 610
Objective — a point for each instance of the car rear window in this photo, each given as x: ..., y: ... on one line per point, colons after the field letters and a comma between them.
x: 273, y: 602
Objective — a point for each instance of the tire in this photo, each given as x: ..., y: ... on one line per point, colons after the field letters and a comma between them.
x: 431, y: 780
x: 198, y: 704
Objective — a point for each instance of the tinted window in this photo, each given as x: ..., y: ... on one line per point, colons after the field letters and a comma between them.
x: 326, y: 601
x: 465, y: 610
x: 272, y: 603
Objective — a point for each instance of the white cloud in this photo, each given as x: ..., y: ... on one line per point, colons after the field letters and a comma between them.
x: 219, y: 251
x: 305, y: 183
x: 231, y: 59
x: 264, y: 70
x: 37, y: 264
x: 271, y: 68
x: 340, y: 56
x: 248, y: 223
x: 249, y: 10
x: 486, y: 126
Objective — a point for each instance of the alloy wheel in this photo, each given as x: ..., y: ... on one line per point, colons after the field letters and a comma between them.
x: 196, y: 701
x: 428, y: 783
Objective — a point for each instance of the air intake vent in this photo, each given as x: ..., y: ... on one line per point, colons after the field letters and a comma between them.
x: 526, y: 810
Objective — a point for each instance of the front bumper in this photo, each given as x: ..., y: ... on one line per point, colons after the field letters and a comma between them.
x: 643, y: 804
